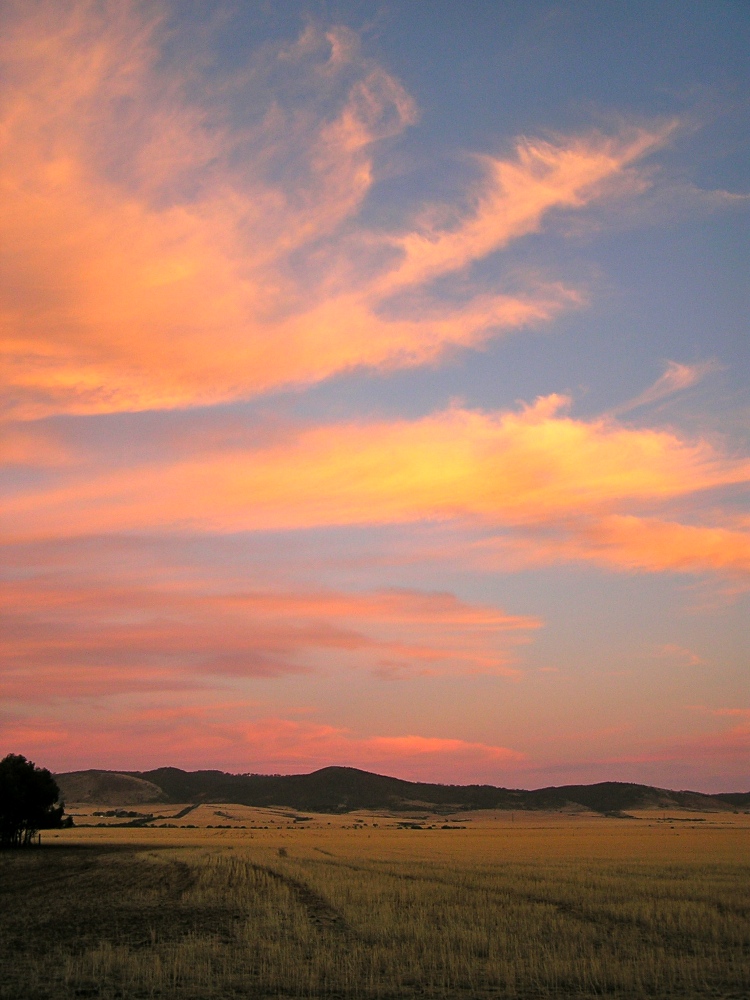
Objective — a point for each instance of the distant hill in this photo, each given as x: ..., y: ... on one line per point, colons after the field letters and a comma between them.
x: 342, y: 789
x: 108, y: 788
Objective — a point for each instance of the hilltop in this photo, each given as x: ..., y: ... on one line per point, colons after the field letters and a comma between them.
x: 108, y: 788
x: 343, y: 789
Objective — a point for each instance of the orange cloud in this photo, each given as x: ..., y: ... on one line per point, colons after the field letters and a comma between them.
x: 620, y: 542
x: 151, y: 246
x: 521, y: 468
x: 655, y: 546
x: 514, y: 197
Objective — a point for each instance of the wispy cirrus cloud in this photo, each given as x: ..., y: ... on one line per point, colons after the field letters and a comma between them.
x: 176, y: 246
x: 676, y: 378
x: 514, y: 197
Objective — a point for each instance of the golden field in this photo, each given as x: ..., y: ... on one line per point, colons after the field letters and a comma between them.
x: 362, y: 905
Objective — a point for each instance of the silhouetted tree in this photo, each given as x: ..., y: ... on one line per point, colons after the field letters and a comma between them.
x: 28, y: 797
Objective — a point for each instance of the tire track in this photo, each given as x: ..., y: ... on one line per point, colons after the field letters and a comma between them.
x: 319, y: 911
x: 566, y: 908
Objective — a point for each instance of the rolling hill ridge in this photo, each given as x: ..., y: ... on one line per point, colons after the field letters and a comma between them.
x: 343, y: 789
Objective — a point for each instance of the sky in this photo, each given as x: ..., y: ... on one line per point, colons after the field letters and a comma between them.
x: 375, y: 388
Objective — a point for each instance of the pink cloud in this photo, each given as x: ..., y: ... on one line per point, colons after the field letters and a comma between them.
x: 65, y: 639
x: 235, y: 735
x: 673, y: 651
x: 214, y: 735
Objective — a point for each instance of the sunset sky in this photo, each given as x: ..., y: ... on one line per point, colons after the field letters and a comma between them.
x: 375, y: 388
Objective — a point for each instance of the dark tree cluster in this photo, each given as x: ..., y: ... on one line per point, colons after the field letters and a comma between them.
x: 28, y: 801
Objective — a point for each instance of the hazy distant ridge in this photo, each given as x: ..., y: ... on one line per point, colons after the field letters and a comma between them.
x: 341, y: 789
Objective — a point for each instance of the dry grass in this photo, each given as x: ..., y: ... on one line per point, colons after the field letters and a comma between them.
x: 543, y: 907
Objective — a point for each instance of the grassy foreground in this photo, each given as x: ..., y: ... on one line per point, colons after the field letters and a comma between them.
x: 562, y: 907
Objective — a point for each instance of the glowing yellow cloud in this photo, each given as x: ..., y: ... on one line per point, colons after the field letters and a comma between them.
x: 524, y: 470
x: 525, y: 467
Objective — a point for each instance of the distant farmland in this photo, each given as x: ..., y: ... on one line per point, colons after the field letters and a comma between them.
x: 369, y: 906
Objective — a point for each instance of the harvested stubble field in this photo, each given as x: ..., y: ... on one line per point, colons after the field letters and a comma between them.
x: 541, y: 907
